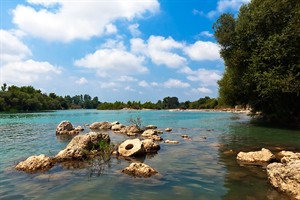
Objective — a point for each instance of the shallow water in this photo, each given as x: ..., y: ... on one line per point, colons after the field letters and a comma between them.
x: 202, y: 168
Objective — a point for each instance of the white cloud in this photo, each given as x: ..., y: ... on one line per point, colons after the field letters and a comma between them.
x: 160, y: 50
x: 174, y: 83
x: 108, y: 85
x: 110, y: 29
x: 113, y: 44
x: 202, y: 50
x: 206, y: 33
x: 27, y: 72
x: 12, y: 48
x: 126, y: 79
x: 155, y: 84
x: 128, y: 88
x: 143, y: 84
x: 204, y: 76
x: 134, y: 30
x: 227, y: 5
x: 113, y: 61
x: 82, y: 81
x: 202, y: 90
x: 76, y: 19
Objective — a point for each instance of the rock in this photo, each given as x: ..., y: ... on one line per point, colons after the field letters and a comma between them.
x: 151, y: 127
x: 288, y: 156
x: 149, y: 132
x: 168, y: 129
x: 117, y: 127
x: 285, y: 177
x: 133, y: 130
x: 35, y: 163
x: 139, y: 169
x: 256, y: 157
x: 79, y: 128
x: 101, y: 125
x: 131, y: 147
x: 114, y: 123
x: 82, y: 145
x: 150, y: 146
x: 66, y: 128
x: 186, y: 137
x: 155, y: 137
x: 171, y: 142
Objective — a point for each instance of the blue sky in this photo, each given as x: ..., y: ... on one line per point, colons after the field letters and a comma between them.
x: 118, y: 50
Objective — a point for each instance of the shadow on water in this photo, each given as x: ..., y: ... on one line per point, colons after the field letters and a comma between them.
x: 251, y: 182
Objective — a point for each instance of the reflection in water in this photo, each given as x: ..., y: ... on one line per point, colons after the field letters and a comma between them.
x: 250, y: 182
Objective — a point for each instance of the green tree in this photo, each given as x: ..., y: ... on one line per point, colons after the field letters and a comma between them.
x: 262, y: 61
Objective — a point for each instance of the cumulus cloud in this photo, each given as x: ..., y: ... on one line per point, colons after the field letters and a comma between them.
x: 206, y: 33
x: 113, y: 61
x: 143, y: 84
x: 203, y: 50
x: 126, y: 79
x: 202, y: 90
x: 76, y: 19
x: 134, y: 30
x: 175, y: 83
x: 160, y: 50
x: 82, y: 81
x: 110, y: 29
x: 27, y: 72
x: 16, y: 67
x: 204, y: 76
x: 227, y: 5
x: 12, y: 48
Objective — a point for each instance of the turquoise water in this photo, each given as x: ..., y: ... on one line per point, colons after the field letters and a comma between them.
x: 201, y: 168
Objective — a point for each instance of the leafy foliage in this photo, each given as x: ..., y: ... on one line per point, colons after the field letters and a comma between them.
x: 261, y: 53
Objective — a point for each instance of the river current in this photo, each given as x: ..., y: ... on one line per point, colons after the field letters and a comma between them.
x: 204, y: 167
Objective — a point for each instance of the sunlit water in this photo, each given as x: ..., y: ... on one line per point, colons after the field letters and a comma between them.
x: 202, y: 168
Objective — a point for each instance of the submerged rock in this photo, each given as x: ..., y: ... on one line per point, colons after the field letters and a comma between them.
x: 168, y: 129
x: 151, y: 127
x: 66, y: 128
x: 139, y: 169
x: 171, y: 142
x: 285, y: 177
x: 131, y: 147
x: 256, y: 157
x: 82, y: 145
x: 35, y: 163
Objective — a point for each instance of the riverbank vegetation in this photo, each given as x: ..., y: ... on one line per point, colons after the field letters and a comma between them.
x: 260, y: 48
x: 27, y: 98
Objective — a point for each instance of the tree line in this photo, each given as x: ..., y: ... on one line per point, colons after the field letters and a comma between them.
x: 260, y: 48
x: 27, y: 98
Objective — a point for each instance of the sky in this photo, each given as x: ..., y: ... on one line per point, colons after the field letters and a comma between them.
x: 117, y: 50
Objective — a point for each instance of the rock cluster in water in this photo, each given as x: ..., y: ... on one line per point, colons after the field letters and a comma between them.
x: 283, y: 175
x: 86, y: 145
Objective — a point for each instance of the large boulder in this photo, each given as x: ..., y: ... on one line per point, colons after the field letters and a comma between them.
x: 66, y: 128
x: 150, y: 146
x: 256, y: 157
x: 131, y: 147
x: 139, y: 169
x: 117, y: 127
x: 82, y: 145
x: 286, y: 177
x: 101, y: 125
x: 35, y: 163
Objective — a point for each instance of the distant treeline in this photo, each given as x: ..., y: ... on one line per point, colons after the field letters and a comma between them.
x: 27, y: 98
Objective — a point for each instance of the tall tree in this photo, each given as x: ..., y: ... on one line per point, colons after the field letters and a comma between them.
x: 262, y: 60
